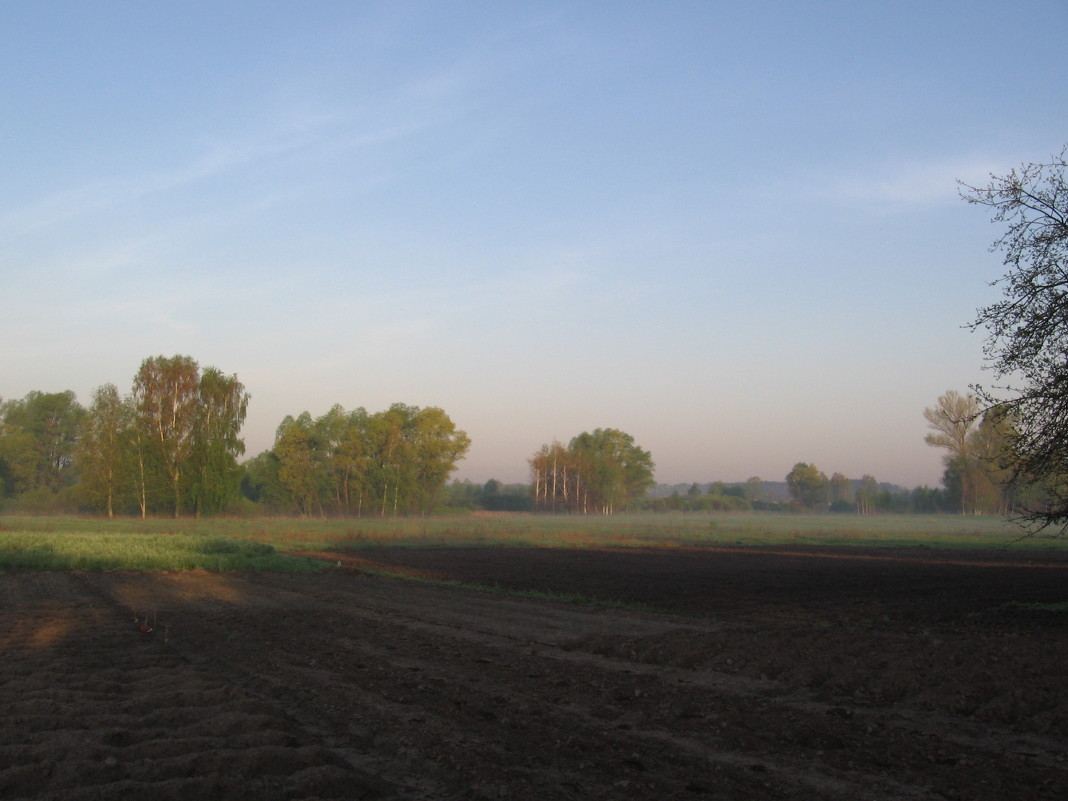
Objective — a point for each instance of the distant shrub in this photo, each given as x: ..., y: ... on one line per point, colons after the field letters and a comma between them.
x: 40, y: 501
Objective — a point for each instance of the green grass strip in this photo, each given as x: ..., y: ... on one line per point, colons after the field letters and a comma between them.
x: 38, y: 551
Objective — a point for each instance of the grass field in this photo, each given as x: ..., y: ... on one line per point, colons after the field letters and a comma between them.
x: 33, y: 544
x: 58, y: 543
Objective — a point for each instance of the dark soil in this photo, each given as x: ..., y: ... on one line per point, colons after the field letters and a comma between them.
x: 729, y: 674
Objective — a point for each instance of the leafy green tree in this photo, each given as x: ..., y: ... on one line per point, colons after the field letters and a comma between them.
x: 464, y: 495
x: 599, y: 471
x: 840, y: 489
x: 734, y: 491
x: 975, y: 481
x: 951, y: 422
x: 152, y: 486
x: 330, y: 431
x: 926, y: 499
x: 554, y: 475
x: 222, y: 404
x: 351, y: 460
x: 104, y: 454
x: 323, y: 462
x: 754, y: 490
x: 303, y: 469
x: 953, y: 482
x: 435, y: 445
x: 867, y: 494
x: 721, y: 498
x: 166, y: 395
x: 415, y: 450
x: 260, y: 482
x: 992, y: 480
x: 493, y: 496
x: 693, y: 494
x: 613, y: 470
x: 977, y: 444
x: 42, y: 430
x: 18, y: 459
x: 390, y: 471
x: 396, y: 462
x: 808, y: 486
x: 187, y: 427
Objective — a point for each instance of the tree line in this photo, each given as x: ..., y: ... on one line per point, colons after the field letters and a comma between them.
x: 168, y: 447
x: 810, y: 489
x: 978, y: 475
x: 353, y: 463
x: 171, y: 447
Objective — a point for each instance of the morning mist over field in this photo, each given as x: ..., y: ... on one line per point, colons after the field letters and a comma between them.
x: 733, y: 232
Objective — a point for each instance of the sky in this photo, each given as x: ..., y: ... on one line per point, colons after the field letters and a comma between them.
x: 732, y: 230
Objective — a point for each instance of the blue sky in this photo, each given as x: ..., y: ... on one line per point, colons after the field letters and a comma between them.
x: 731, y: 230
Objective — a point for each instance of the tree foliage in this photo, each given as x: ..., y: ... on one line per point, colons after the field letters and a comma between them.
x: 103, y: 454
x: 165, y: 393
x: 951, y: 422
x: 808, y: 486
x: 975, y: 442
x: 754, y: 490
x: 353, y: 463
x: 171, y: 445
x: 1027, y: 332
x: 222, y: 404
x: 39, y: 436
x: 18, y: 461
x: 840, y: 492
x: 600, y: 472
x: 493, y: 496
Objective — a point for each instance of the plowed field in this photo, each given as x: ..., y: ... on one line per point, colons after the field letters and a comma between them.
x: 732, y: 674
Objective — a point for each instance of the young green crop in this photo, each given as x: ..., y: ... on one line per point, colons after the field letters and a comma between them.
x: 51, y: 543
x: 35, y: 550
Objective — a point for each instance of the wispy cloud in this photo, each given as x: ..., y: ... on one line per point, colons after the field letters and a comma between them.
x: 318, y: 134
x: 101, y: 196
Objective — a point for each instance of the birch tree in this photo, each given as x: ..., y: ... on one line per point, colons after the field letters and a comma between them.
x: 867, y: 494
x: 104, y: 455
x: 166, y: 394
x: 600, y: 471
x: 393, y: 462
x: 187, y: 429
x: 222, y: 404
x: 302, y: 467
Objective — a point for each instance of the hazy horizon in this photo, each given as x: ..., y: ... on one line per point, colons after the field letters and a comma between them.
x: 732, y: 231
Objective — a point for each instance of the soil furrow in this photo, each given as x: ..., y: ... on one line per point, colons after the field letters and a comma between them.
x: 776, y: 676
